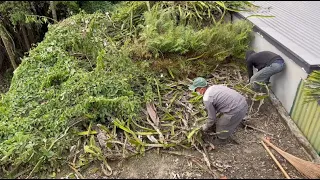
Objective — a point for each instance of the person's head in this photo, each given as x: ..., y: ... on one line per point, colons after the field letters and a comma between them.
x: 199, y: 85
x: 249, y: 53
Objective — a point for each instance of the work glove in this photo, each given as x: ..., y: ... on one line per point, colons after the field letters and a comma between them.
x: 205, y: 128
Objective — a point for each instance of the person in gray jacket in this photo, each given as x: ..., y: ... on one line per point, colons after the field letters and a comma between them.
x: 220, y: 98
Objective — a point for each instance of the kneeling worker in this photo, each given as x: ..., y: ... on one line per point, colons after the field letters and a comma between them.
x: 267, y: 63
x: 219, y: 98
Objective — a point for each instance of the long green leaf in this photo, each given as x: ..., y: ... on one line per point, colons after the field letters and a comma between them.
x: 85, y: 133
x: 260, y: 16
x: 193, y: 132
x: 118, y: 124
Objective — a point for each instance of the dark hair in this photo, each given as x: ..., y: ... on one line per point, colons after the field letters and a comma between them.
x: 249, y: 53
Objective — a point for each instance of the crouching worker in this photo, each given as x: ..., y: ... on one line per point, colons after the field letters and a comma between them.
x: 267, y: 63
x: 219, y: 98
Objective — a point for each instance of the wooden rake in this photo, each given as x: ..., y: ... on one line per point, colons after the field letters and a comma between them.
x: 308, y: 169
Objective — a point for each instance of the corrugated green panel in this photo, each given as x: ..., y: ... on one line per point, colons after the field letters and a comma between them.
x: 302, y: 118
x: 312, y: 126
x: 307, y: 118
x: 314, y: 137
x: 317, y: 143
x: 296, y: 111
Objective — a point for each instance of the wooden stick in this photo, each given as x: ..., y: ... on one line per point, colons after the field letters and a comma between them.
x: 76, y: 171
x: 251, y: 127
x: 208, y: 170
x: 197, y: 160
x: 275, y: 160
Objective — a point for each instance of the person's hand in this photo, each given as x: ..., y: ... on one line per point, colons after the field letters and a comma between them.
x: 204, y: 128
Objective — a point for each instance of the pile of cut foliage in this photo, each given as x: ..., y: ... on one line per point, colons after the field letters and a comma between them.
x: 81, y: 78
x: 73, y: 75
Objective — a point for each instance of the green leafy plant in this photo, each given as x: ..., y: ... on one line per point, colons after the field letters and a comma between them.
x: 312, y: 87
x: 162, y: 39
x: 162, y: 36
x: 129, y: 15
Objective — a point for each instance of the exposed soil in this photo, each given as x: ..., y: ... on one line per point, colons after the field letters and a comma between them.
x: 247, y: 159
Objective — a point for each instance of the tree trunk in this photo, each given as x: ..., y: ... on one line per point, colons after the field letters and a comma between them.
x: 18, y: 39
x: 10, y: 52
x: 2, y: 53
x: 53, y: 9
x: 31, y: 31
x: 8, y: 45
x: 25, y: 36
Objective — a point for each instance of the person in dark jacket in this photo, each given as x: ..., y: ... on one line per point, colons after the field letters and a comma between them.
x: 267, y: 63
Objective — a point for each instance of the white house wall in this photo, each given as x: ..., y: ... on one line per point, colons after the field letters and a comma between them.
x: 284, y: 84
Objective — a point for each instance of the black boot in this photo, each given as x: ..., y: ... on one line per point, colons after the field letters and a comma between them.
x: 243, y: 124
x: 218, y: 141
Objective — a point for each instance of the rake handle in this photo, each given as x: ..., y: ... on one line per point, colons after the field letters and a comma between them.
x: 275, y: 160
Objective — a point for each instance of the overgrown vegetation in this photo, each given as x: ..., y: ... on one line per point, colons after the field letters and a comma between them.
x: 161, y: 35
x: 81, y: 77
x: 165, y: 35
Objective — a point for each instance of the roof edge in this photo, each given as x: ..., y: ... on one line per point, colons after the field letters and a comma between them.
x: 296, y: 58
